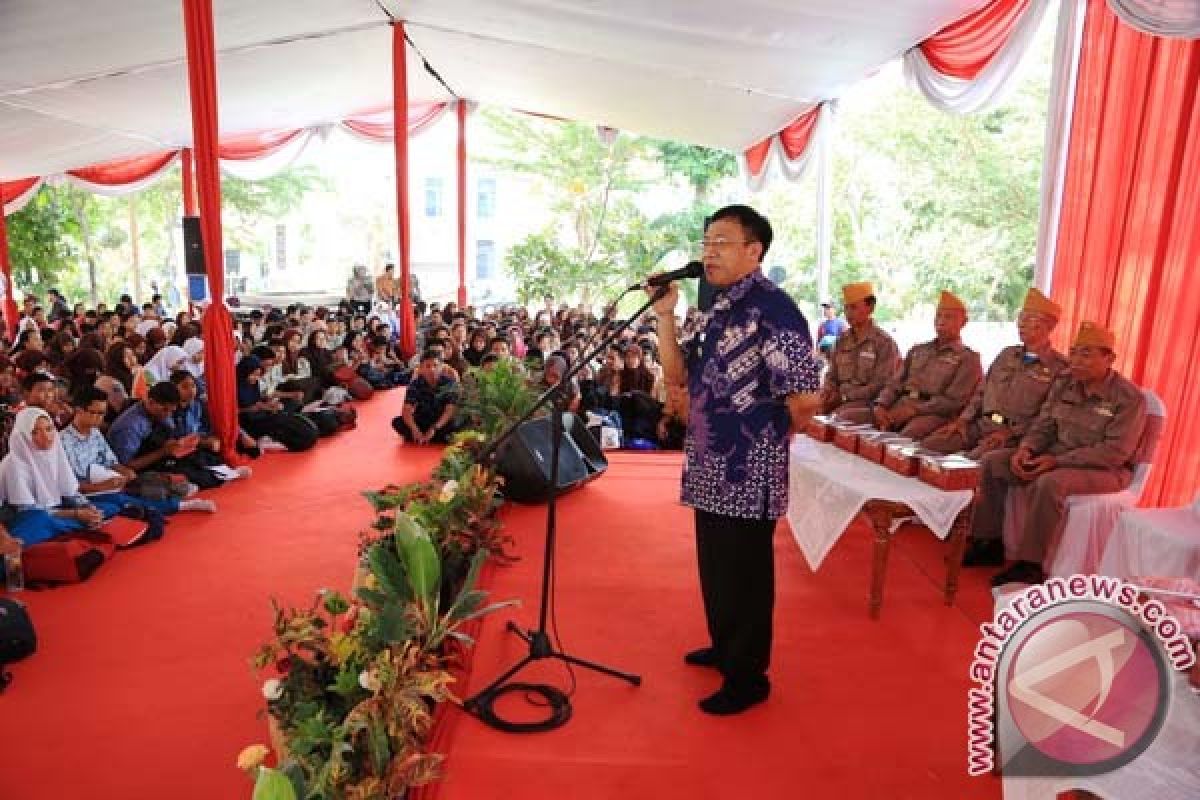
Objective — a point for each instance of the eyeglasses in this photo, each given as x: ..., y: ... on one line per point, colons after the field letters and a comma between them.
x: 720, y: 243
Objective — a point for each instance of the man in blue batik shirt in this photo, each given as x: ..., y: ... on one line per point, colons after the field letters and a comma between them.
x: 752, y: 378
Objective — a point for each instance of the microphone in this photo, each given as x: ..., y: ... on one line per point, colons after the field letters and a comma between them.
x: 694, y: 269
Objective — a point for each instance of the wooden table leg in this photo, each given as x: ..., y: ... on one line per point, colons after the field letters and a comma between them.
x: 959, y: 533
x: 883, y: 542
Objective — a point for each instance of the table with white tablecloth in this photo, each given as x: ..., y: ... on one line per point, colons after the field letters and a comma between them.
x: 828, y: 488
x: 1154, y: 542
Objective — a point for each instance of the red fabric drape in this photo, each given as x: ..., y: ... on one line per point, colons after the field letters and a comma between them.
x: 11, y: 190
x: 462, y: 202
x: 189, y: 183
x: 963, y: 48
x: 260, y: 144
x: 794, y: 138
x: 408, y: 333
x: 1128, y: 241
x: 380, y: 124
x: 126, y: 170
x: 218, y: 325
x: 10, y: 302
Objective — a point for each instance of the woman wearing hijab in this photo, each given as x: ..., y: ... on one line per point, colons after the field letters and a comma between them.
x: 477, y: 346
x: 37, y: 481
x: 194, y: 347
x: 164, y: 362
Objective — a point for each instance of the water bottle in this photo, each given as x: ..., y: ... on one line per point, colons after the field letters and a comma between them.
x: 14, y: 576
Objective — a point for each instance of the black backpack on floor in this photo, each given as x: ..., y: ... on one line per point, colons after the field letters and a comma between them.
x: 17, y: 639
x: 294, y: 431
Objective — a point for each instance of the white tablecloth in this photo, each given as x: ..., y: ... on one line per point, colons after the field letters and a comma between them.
x: 827, y: 487
x: 1156, y: 542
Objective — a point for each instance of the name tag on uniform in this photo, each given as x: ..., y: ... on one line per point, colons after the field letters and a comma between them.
x: 997, y: 418
x: 1104, y: 411
x: 1044, y: 375
x: 870, y: 354
x: 948, y: 359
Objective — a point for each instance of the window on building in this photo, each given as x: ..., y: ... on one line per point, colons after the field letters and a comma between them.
x: 486, y: 201
x: 485, y: 259
x: 433, y: 197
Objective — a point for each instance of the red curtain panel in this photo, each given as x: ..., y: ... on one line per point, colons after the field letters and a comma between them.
x: 1128, y: 241
x: 126, y: 170
x: 963, y: 48
x: 408, y: 333
x: 218, y: 324
x: 10, y: 303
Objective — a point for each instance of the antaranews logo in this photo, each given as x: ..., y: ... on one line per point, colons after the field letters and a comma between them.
x: 1074, y: 678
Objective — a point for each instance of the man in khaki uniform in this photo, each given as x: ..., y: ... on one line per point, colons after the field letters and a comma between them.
x: 938, y: 378
x: 1082, y: 442
x: 387, y: 288
x: 863, y: 359
x: 1011, y: 396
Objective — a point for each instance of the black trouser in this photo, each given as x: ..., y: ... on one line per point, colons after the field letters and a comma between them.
x: 442, y: 436
x: 737, y: 579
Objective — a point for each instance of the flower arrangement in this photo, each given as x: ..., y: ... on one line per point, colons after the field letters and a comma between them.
x: 354, y: 681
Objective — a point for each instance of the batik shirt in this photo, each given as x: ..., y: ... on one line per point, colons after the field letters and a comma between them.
x: 752, y: 351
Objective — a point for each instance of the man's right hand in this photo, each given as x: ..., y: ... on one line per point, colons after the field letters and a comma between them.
x: 665, y: 305
x: 90, y: 516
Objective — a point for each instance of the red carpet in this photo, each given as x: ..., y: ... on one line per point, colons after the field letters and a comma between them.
x: 860, y: 708
x: 142, y: 686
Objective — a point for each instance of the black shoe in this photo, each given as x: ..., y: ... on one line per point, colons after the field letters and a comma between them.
x: 704, y: 657
x: 1020, y: 572
x: 984, y: 553
x: 730, y: 699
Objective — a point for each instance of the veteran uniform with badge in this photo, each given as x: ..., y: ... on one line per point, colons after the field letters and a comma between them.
x: 1012, y: 394
x: 862, y: 361
x: 937, y: 380
x: 1082, y: 442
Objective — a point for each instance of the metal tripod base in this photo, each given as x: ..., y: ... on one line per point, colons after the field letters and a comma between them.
x: 541, y: 648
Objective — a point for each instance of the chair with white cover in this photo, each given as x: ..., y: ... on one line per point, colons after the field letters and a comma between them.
x: 1090, y: 517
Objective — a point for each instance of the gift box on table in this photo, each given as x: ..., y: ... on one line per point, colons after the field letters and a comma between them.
x: 820, y: 428
x: 872, y: 446
x: 902, y: 458
x: 845, y: 437
x: 949, y: 473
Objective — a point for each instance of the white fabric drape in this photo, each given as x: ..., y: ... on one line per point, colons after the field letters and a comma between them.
x: 992, y: 84
x: 1178, y: 19
x: 1063, y: 76
x: 257, y: 169
x: 794, y: 169
x: 21, y: 200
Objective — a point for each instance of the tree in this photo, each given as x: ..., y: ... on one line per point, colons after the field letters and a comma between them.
x: 702, y: 167
x: 76, y: 241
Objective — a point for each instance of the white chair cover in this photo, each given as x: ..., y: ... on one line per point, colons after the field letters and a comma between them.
x: 1091, y: 518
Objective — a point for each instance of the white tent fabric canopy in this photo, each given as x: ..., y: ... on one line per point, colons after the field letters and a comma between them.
x: 87, y: 82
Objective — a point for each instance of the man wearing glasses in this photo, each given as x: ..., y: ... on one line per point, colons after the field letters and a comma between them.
x: 751, y: 377
x: 1082, y: 442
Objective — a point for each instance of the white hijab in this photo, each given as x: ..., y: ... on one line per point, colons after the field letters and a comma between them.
x: 193, y: 346
x: 33, y: 477
x: 166, y: 361
x: 145, y: 326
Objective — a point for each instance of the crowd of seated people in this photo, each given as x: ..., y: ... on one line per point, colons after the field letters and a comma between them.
x: 104, y: 411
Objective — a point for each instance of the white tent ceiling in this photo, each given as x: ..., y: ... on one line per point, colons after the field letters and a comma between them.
x: 85, y: 81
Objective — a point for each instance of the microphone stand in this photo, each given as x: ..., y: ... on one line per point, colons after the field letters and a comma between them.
x: 538, y: 640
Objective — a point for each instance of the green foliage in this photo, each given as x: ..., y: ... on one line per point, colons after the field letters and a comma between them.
x: 494, y: 398
x: 702, y: 167
x: 600, y: 240
x: 53, y: 237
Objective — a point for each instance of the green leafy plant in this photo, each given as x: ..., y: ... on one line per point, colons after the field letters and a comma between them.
x: 494, y: 398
